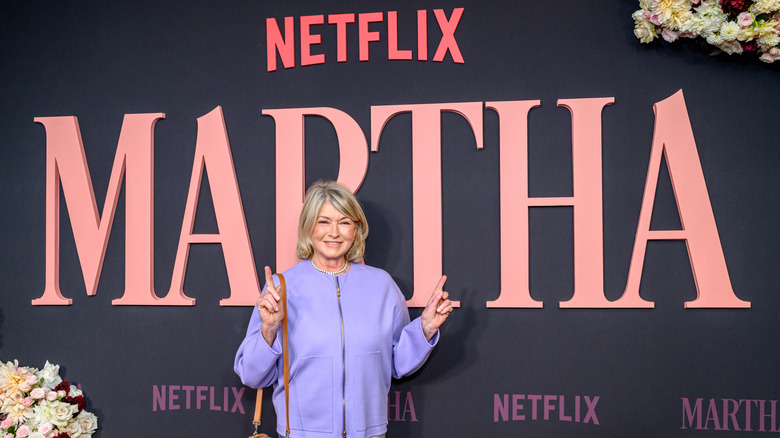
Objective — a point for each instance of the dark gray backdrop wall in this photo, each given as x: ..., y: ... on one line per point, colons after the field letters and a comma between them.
x: 100, y: 60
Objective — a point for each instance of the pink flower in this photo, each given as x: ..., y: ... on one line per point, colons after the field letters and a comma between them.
x: 669, y: 35
x: 45, y: 428
x: 10, y: 435
x: 27, y: 402
x: 5, y: 424
x: 51, y: 395
x: 766, y: 57
x: 38, y: 393
x: 654, y: 19
x: 23, y: 431
x: 745, y: 19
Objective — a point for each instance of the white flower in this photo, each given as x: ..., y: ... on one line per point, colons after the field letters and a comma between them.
x: 730, y: 47
x: 645, y: 31
x: 729, y: 31
x: 765, y: 6
x: 712, y: 23
x: 746, y: 34
x: 88, y: 422
x: 768, y: 40
x: 74, y: 391
x: 73, y: 429
x: 44, y: 412
x: 671, y: 13
x: 767, y: 34
x: 50, y: 375
x: 695, y: 25
x: 712, y: 14
x: 63, y: 413
x: 715, y: 39
x: 679, y: 19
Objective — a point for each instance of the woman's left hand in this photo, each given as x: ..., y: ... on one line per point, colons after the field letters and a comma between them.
x: 437, y: 310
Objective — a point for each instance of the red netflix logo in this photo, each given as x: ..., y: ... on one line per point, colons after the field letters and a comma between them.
x: 283, y: 42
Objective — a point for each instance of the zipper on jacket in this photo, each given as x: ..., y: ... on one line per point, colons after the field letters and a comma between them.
x: 343, y: 364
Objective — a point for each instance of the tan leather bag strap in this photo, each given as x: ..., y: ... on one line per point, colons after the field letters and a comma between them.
x: 258, y: 406
x: 285, y: 358
x: 285, y: 352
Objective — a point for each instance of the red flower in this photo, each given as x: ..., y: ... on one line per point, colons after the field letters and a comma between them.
x: 735, y: 7
x: 77, y: 400
x: 63, y: 386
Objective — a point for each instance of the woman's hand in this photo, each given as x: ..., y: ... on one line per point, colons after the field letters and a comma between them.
x: 437, y: 310
x: 270, y: 309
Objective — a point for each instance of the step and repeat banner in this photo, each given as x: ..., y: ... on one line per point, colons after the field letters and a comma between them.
x: 605, y: 210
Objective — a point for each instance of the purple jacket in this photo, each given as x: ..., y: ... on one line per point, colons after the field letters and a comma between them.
x: 332, y: 380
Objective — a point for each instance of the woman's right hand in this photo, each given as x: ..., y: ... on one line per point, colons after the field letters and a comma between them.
x: 270, y: 309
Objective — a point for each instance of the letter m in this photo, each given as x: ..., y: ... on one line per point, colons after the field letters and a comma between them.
x: 67, y: 171
x: 689, y: 413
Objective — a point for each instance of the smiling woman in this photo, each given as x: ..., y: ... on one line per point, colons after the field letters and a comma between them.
x: 332, y: 229
x: 342, y: 315
x: 331, y: 238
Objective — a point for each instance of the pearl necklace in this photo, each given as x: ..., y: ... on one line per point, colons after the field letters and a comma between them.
x: 346, y: 265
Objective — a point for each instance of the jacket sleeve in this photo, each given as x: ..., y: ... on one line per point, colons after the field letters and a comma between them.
x: 410, y: 348
x: 255, y: 360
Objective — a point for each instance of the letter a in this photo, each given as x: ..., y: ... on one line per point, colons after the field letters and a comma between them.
x: 673, y: 137
x: 212, y: 152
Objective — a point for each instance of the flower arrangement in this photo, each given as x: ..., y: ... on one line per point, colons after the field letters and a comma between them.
x: 731, y: 26
x: 39, y: 404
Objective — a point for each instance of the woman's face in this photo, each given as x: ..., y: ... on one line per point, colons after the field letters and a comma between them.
x: 331, y: 237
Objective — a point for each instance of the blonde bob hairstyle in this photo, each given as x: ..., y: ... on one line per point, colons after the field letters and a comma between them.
x: 345, y: 202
